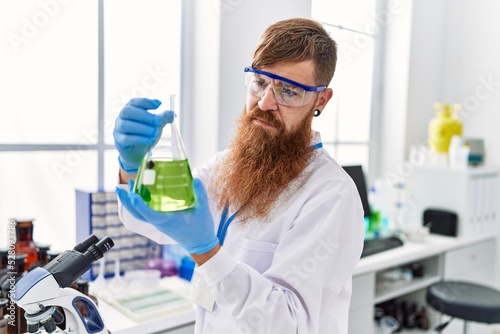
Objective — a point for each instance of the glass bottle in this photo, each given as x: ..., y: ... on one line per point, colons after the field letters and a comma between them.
x: 20, y: 325
x: 164, y: 178
x: 24, y: 240
x: 52, y: 254
x: 422, y: 319
x: 43, y: 258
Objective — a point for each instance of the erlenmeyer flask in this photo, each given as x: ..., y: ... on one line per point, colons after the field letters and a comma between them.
x: 164, y: 178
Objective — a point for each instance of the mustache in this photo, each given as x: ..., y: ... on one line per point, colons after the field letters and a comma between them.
x: 266, y: 116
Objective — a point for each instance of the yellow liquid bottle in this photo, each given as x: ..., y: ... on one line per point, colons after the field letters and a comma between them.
x: 444, y: 126
x: 164, y: 179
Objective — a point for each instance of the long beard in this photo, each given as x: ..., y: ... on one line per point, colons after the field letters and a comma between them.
x: 261, y: 165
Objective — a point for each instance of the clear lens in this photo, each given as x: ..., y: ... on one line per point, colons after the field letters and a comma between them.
x: 285, y: 94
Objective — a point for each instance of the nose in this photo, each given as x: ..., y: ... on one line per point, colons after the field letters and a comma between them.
x: 268, y: 100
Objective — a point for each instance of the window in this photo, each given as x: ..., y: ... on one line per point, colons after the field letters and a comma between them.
x: 345, y: 122
x: 67, y: 69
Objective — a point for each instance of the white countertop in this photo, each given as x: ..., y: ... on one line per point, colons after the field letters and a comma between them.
x: 412, y: 251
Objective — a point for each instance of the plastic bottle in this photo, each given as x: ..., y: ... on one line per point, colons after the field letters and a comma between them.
x: 458, y: 153
x: 375, y: 202
x: 164, y: 178
x: 443, y: 126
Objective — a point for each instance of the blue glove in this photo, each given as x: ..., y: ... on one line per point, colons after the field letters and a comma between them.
x: 137, y: 130
x: 192, y: 228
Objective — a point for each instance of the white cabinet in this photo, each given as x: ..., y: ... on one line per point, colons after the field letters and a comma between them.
x: 471, y: 193
x: 474, y: 263
x: 464, y: 258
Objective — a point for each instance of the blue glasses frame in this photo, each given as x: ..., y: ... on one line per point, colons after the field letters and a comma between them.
x: 295, y: 83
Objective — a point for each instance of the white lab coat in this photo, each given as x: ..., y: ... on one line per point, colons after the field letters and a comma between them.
x: 292, y: 273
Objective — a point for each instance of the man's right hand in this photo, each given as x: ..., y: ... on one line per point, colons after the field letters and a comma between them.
x: 137, y: 131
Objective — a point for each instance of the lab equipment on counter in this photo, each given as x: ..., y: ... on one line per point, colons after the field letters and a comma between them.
x: 142, y: 294
x: 116, y: 285
x: 375, y: 201
x: 445, y: 125
x: 476, y: 150
x: 380, y: 244
x: 99, y: 283
x: 148, y: 296
x: 42, y: 290
x: 441, y: 221
x: 164, y: 178
x: 458, y: 153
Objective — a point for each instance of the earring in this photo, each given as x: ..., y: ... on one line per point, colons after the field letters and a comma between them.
x: 317, y: 112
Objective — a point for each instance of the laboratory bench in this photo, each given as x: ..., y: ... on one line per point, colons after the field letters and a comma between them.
x: 441, y: 257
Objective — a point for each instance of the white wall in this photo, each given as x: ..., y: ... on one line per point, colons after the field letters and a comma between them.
x: 453, y: 57
x: 454, y: 50
x: 224, y: 34
x: 472, y: 60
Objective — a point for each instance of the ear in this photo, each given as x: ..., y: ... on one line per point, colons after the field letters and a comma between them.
x: 323, y: 99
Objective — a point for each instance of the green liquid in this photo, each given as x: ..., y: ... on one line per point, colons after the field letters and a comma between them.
x: 172, y: 189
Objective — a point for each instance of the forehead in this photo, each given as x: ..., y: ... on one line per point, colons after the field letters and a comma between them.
x: 302, y: 72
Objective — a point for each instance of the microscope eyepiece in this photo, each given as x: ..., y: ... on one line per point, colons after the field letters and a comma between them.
x: 95, y: 252
x: 85, y: 244
x: 71, y: 264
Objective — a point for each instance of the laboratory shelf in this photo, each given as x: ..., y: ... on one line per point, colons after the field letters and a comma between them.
x: 386, y: 289
x: 396, y: 289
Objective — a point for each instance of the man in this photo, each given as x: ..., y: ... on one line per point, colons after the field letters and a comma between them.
x: 289, y: 220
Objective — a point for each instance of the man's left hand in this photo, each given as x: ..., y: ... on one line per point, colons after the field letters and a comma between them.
x: 192, y: 228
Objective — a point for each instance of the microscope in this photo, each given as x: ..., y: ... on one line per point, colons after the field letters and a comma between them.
x: 42, y: 292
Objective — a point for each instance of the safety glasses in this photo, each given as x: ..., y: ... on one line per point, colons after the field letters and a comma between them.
x: 286, y: 92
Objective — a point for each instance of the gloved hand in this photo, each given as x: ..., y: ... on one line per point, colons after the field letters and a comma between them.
x: 192, y: 228
x: 137, y: 130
